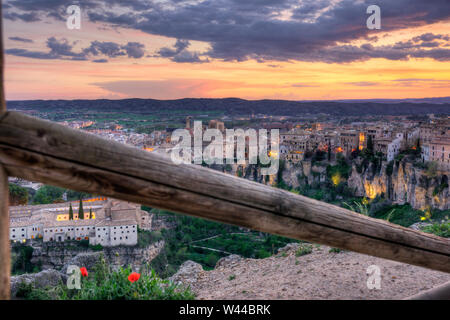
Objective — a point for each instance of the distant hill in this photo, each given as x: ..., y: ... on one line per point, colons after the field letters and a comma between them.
x: 235, y: 106
x: 441, y: 100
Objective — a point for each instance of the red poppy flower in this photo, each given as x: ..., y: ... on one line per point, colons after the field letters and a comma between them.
x: 84, y: 272
x: 133, y: 277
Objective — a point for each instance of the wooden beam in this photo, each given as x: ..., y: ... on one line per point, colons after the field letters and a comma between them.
x: 39, y: 150
x: 441, y: 292
x: 2, y: 89
x: 5, y: 263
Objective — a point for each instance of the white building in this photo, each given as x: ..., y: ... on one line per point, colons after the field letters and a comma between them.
x: 107, y: 222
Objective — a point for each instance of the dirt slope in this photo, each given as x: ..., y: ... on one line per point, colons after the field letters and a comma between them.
x: 318, y: 275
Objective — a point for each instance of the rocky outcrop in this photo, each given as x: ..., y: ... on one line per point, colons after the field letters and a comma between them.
x: 402, y: 183
x: 290, y: 247
x: 187, y: 274
x: 58, y: 255
x: 46, y: 278
x: 86, y: 259
x: 228, y: 261
x: 399, y: 182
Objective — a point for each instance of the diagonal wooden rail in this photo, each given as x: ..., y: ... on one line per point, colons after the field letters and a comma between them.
x: 43, y: 151
x: 5, y: 264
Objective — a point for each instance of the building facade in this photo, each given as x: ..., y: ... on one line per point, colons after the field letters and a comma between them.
x: 107, y: 222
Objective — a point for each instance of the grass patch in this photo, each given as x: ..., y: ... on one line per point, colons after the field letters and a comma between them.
x: 103, y: 283
x: 439, y: 229
x: 304, y: 249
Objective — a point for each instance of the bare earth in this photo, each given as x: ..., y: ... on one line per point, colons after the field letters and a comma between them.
x: 319, y: 275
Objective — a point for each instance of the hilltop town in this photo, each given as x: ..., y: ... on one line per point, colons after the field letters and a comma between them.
x: 298, y: 141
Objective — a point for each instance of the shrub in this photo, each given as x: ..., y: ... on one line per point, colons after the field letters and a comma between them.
x: 84, y: 243
x: 17, y: 195
x: 21, y: 260
x: 441, y: 230
x: 403, y: 215
x: 97, y: 247
x: 146, y: 238
x: 304, y: 249
x: 360, y: 207
x: 335, y: 250
x: 431, y: 171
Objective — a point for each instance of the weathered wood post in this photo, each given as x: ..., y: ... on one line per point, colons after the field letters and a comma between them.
x: 5, y: 264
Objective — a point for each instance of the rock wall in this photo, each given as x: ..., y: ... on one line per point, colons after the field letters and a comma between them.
x: 57, y: 255
x: 406, y: 184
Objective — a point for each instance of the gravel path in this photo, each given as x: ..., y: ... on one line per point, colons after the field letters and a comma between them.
x: 319, y: 275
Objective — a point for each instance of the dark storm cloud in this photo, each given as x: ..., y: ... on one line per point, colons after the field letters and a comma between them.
x: 179, y: 53
x: 308, y: 30
x: 30, y: 54
x: 431, y: 36
x: 20, y: 39
x: 26, y: 17
x: 63, y: 49
x: 109, y: 49
x: 134, y: 49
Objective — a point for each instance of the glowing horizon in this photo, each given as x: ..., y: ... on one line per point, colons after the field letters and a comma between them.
x: 206, y: 75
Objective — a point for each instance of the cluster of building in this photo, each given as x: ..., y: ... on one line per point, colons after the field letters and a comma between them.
x: 388, y: 138
x: 435, y: 143
x: 107, y: 222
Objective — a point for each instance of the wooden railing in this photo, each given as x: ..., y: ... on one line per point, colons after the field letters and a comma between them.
x: 5, y: 262
x: 47, y: 152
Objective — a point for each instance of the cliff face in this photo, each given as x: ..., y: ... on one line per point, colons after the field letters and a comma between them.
x: 56, y: 255
x: 406, y: 184
x: 402, y: 183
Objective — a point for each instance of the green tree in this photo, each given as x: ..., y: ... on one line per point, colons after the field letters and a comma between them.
x: 17, y: 195
x: 48, y: 194
x: 75, y: 195
x: 70, y: 212
x: 80, y: 210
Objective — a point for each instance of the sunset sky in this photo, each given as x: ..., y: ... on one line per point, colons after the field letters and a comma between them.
x: 251, y: 49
